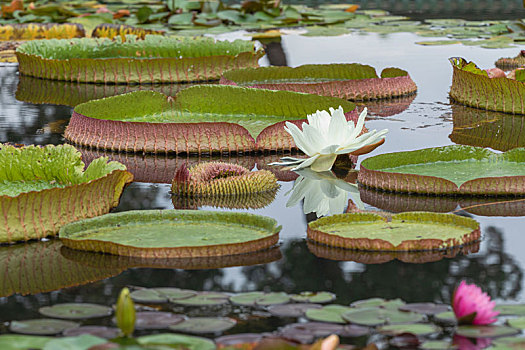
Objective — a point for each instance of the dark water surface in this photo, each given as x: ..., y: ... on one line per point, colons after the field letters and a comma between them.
x: 496, y: 264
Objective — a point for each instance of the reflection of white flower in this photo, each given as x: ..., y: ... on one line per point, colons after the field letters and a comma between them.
x: 323, y: 193
x: 326, y: 136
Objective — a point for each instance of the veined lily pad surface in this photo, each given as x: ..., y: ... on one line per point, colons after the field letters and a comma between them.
x: 349, y: 81
x: 409, y: 231
x: 447, y: 170
x: 43, y: 188
x: 200, y: 119
x: 172, y: 233
x: 473, y: 87
x: 154, y: 59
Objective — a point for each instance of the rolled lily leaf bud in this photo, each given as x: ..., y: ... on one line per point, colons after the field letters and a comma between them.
x: 125, y: 313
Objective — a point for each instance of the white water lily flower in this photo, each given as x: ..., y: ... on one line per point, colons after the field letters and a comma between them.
x: 326, y: 135
x: 323, y: 193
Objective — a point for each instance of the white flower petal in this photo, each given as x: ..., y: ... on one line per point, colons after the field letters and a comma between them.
x: 324, y: 162
x: 306, y: 162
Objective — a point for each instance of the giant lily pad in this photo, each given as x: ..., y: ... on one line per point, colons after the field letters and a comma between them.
x: 38, y: 267
x: 152, y: 60
x: 473, y: 88
x: 349, y: 81
x: 508, y: 63
x: 172, y: 233
x: 447, y: 170
x: 44, y: 188
x: 497, y: 130
x: 200, y: 119
x: 405, y: 232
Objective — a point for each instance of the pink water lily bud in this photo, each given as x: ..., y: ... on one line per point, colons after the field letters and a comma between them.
x: 472, y: 306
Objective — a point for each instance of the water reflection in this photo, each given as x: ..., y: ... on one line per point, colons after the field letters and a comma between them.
x: 476, y: 127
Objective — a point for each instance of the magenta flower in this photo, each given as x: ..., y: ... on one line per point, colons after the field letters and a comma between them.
x: 472, y: 306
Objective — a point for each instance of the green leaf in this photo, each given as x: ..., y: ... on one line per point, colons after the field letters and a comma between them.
x: 177, y: 340
x: 43, y: 326
x: 380, y: 316
x: 75, y: 311
x: 329, y: 313
x: 181, y: 19
x: 486, y: 331
x: 143, y: 14
x: 22, y: 342
x: 202, y: 325
x: 81, y: 342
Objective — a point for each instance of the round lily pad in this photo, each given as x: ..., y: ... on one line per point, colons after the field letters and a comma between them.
x: 307, y: 332
x: 328, y: 313
x: 437, y: 345
x: 160, y: 295
x: 518, y: 322
x: 378, y: 302
x: 486, y: 331
x: 446, y: 319
x: 172, y: 233
x: 260, y: 299
x: 237, y: 340
x: 22, y: 342
x: 415, y: 328
x: 411, y: 231
x: 425, y: 308
x: 177, y: 341
x: 43, y: 326
x: 199, y: 325
x: 511, y: 309
x: 314, y: 297
x: 156, y: 319
x: 98, y: 331
x: 447, y: 170
x: 508, y: 343
x: 203, y: 299
x: 380, y: 316
x: 292, y: 310
x: 76, y: 311
x: 347, y: 81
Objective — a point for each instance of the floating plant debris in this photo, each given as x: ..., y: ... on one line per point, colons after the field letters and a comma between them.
x: 152, y: 60
x: 354, y: 81
x: 447, y: 170
x: 53, y: 177
x: 410, y: 231
x: 166, y: 233
x: 473, y: 87
x: 200, y: 119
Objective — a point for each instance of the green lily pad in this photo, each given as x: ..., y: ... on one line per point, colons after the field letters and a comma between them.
x: 419, y: 329
x: 437, y: 345
x: 292, y: 310
x: 156, y: 58
x: 410, y: 231
x: 447, y: 170
x: 43, y: 326
x: 172, y: 233
x: 53, y: 177
x: 425, y: 308
x: 22, y: 342
x: 511, y: 309
x: 378, y: 316
x: 447, y: 318
x: 203, y: 299
x: 508, y: 343
x: 260, y: 299
x: 177, y: 340
x: 200, y: 325
x: 348, y: 81
x: 314, y: 297
x: 438, y: 42
x: 480, y: 91
x: 81, y: 342
x: 518, y: 322
x: 160, y: 295
x: 378, y: 302
x: 75, y: 311
x: 486, y: 331
x: 328, y: 313
x: 199, y: 119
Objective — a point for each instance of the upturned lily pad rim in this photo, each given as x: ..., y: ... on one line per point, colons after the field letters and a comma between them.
x: 371, y: 175
x: 315, y: 233
x: 68, y: 232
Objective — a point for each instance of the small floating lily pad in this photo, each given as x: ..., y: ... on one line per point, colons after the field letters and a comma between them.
x: 409, y: 231
x: 98, y: 331
x: 260, y: 299
x: 518, y: 322
x: 292, y: 310
x: 511, y: 309
x: 199, y: 325
x: 437, y: 345
x: 379, y: 316
x: 486, y: 331
x: 447, y: 170
x: 22, y: 342
x: 177, y: 341
x: 172, y: 233
x: 234, y: 340
x: 314, y: 297
x: 81, y: 342
x: 379, y: 302
x: 160, y: 295
x: 425, y: 308
x: 203, y: 299
x: 156, y: 319
x: 43, y: 326
x: 329, y: 313
x: 420, y: 329
x: 348, y: 81
x: 76, y: 311
x: 447, y: 318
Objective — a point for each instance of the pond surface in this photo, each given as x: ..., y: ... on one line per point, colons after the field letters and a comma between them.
x: 428, y: 121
